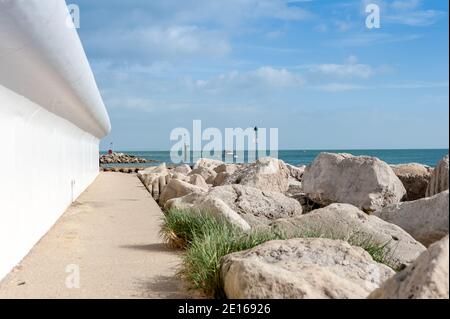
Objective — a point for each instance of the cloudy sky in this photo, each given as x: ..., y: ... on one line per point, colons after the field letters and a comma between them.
x: 310, y: 68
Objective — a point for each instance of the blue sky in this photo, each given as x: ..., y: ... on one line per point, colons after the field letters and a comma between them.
x: 310, y: 68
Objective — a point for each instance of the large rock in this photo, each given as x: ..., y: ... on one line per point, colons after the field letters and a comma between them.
x: 425, y: 219
x: 267, y: 174
x: 363, y: 181
x: 182, y: 169
x: 344, y: 221
x: 439, y: 178
x: 181, y: 177
x: 208, y: 174
x: 221, y: 178
x: 256, y: 207
x: 197, y: 203
x: 178, y: 188
x: 415, y: 178
x: 155, y: 179
x: 427, y: 278
x: 226, y: 168
x: 199, y: 181
x: 302, y: 269
x: 208, y: 163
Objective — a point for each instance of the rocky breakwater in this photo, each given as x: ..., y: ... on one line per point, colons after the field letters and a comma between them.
x: 120, y: 158
x: 349, y: 221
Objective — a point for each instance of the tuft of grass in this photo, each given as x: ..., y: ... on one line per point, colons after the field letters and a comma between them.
x: 207, y: 240
x: 179, y: 228
x: 202, y: 261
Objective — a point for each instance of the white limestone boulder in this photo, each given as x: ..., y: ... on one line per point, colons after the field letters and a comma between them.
x: 256, y: 207
x: 266, y: 174
x: 199, y: 181
x: 365, y: 182
x: 439, y: 178
x: 207, y: 163
x: 221, y: 178
x: 294, y: 187
x: 228, y: 168
x: 302, y: 269
x: 425, y: 219
x: 182, y: 169
x: 426, y: 278
x: 346, y: 222
x: 155, y: 179
x: 177, y: 188
x: 208, y: 174
x: 296, y: 172
x: 415, y: 177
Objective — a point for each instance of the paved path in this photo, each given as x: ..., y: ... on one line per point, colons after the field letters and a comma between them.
x: 111, y: 234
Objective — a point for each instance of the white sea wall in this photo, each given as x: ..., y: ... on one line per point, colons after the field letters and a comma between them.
x: 52, y: 118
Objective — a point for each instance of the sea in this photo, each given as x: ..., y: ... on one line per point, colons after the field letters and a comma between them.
x: 428, y: 157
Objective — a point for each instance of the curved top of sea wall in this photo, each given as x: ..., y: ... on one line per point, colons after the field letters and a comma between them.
x: 42, y: 58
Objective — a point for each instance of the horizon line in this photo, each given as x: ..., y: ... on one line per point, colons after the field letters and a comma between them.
x: 305, y: 149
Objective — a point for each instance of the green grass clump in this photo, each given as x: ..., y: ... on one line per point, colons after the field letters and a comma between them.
x: 202, y: 261
x: 207, y: 240
x: 179, y: 228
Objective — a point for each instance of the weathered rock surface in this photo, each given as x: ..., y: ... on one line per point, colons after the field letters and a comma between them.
x: 177, y: 188
x: 221, y: 178
x: 226, y: 168
x: 267, y: 174
x: 302, y: 269
x: 363, y: 181
x: 344, y: 221
x: 155, y: 179
x: 120, y: 158
x: 181, y: 177
x: 415, y: 178
x: 296, y: 172
x: 425, y: 219
x: 426, y: 278
x: 182, y: 169
x: 294, y: 187
x: 256, y: 207
x: 125, y: 170
x: 208, y: 163
x: 208, y: 174
x: 439, y: 178
x: 199, y: 181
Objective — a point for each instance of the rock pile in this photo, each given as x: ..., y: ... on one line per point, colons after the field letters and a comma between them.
x: 333, y: 207
x: 120, y: 158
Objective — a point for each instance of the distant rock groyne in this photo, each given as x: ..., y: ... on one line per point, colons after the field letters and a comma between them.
x: 120, y: 158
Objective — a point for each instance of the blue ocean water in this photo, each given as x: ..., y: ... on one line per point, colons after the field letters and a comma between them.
x: 428, y: 157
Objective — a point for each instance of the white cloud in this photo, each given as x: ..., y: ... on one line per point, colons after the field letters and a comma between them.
x: 369, y: 39
x: 416, y: 18
x: 405, y: 4
x: 351, y: 68
x: 339, y: 87
x: 409, y: 12
x: 417, y: 85
x: 262, y: 78
x: 149, y: 43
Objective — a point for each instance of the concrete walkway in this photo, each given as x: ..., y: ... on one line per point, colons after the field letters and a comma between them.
x: 110, y: 237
